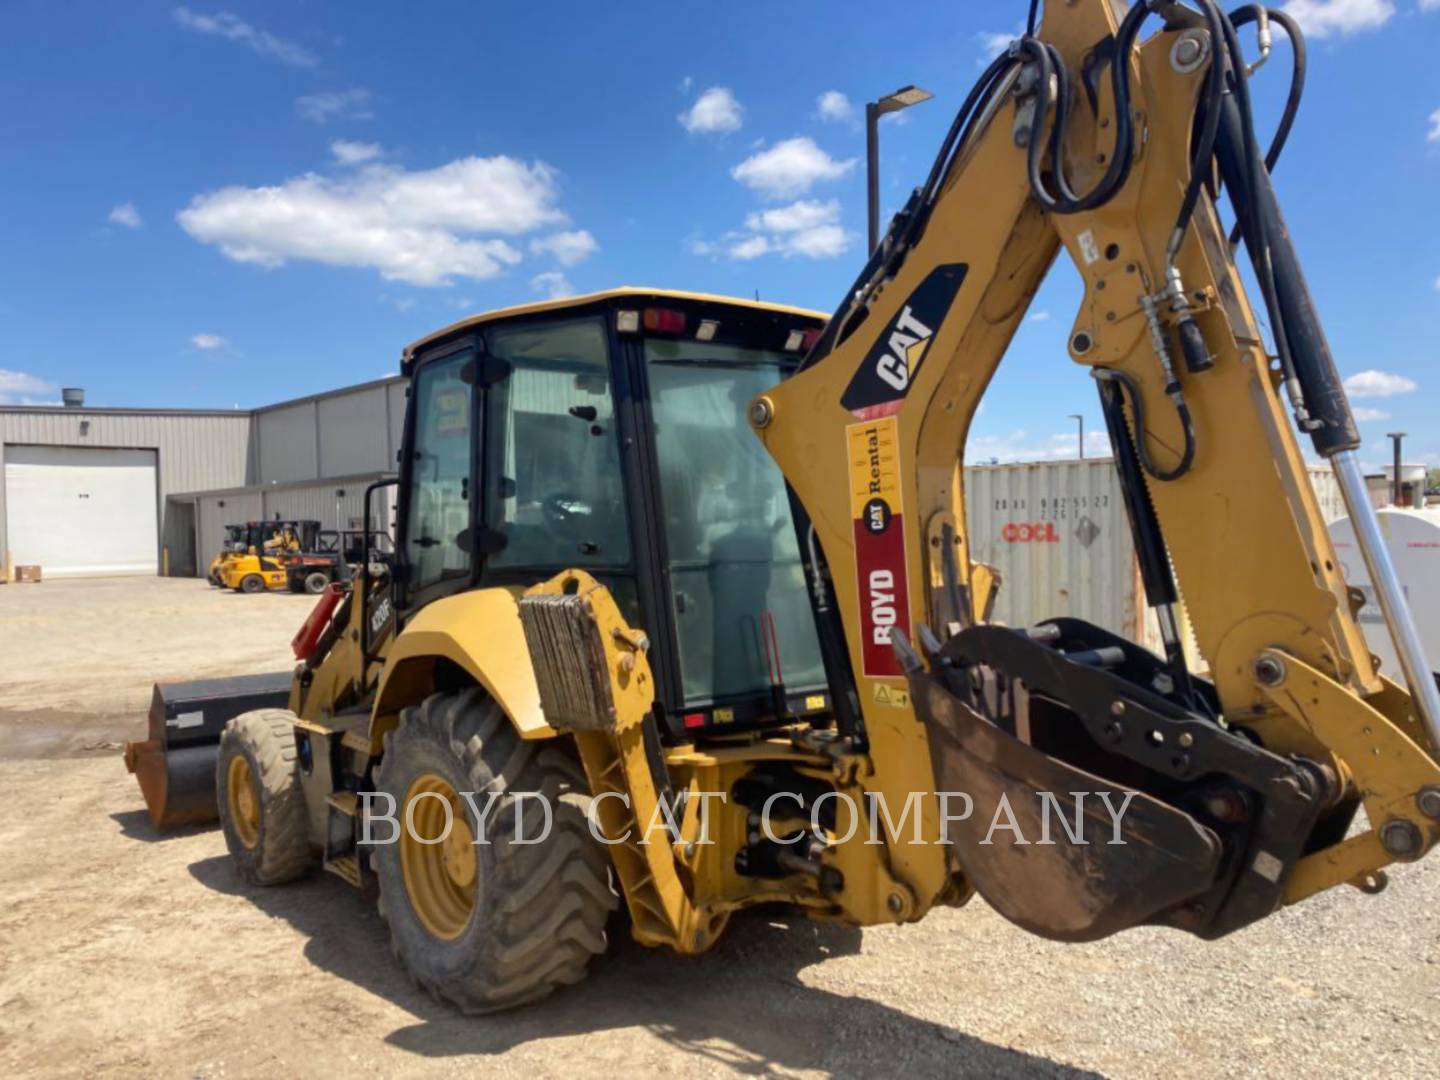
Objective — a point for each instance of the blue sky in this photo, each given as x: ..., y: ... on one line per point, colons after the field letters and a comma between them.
x: 230, y: 205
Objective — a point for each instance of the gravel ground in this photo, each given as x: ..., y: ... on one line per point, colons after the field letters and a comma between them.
x: 143, y: 955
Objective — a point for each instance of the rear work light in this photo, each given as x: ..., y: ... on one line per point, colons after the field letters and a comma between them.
x: 802, y: 340
x: 664, y: 321
x: 707, y: 330
x: 693, y: 720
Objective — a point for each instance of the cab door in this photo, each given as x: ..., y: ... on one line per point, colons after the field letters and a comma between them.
x: 435, y: 528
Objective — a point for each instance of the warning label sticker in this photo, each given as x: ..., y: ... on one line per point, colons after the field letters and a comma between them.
x: 879, y: 520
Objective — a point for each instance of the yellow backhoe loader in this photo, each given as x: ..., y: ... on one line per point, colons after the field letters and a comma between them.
x: 682, y: 611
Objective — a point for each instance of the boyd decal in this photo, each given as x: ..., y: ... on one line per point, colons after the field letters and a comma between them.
x: 879, y: 522
x: 884, y: 377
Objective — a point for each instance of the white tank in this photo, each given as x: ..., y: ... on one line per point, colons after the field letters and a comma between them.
x: 1413, y: 537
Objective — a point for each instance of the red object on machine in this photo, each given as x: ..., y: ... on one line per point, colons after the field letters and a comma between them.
x: 303, y: 644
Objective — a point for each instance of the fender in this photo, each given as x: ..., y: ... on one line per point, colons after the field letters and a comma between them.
x: 478, y: 631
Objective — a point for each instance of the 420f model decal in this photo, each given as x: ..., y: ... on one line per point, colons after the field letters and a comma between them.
x: 884, y: 377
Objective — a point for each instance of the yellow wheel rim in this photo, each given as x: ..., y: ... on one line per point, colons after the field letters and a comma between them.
x: 439, y: 873
x: 244, y: 806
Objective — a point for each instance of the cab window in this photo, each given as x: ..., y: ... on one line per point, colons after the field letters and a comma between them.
x: 553, y: 485
x: 730, y: 537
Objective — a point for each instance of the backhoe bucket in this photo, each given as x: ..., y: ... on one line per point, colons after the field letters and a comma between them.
x: 1181, y: 821
x: 1136, y: 857
x: 175, y: 766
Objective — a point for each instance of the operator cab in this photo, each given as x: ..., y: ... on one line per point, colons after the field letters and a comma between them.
x: 609, y: 433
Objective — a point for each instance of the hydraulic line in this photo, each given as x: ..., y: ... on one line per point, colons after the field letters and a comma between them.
x: 1264, y: 16
x: 1137, y: 403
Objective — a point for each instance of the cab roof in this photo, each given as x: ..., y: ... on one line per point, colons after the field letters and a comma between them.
x: 624, y: 292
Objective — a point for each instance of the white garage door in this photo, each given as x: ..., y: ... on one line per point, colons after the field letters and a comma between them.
x: 78, y: 510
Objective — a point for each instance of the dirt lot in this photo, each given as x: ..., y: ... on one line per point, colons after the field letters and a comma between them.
x: 140, y: 955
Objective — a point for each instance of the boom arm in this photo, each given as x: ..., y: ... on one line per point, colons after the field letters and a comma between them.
x: 1253, y: 783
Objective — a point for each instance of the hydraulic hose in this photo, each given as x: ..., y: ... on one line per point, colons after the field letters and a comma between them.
x: 1137, y: 404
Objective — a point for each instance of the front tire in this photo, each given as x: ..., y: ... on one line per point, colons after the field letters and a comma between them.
x: 497, y: 924
x: 316, y: 582
x: 262, y: 806
x: 252, y: 583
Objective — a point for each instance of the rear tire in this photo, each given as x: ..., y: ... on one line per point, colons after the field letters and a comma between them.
x: 316, y: 582
x: 268, y: 831
x: 252, y: 583
x: 536, y: 912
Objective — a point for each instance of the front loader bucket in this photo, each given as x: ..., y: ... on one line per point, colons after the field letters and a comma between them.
x: 175, y: 766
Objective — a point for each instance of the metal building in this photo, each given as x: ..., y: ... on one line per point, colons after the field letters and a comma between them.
x: 88, y: 490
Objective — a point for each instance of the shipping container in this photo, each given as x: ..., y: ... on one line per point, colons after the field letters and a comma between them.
x: 1057, y: 533
x: 1327, y: 492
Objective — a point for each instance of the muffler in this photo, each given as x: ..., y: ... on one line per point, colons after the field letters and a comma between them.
x: 175, y: 766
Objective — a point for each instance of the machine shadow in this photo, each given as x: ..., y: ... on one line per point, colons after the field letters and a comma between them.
x: 136, y: 825
x: 741, y: 1006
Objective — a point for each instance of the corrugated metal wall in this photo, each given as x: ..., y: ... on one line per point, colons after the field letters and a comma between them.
x: 194, y: 451
x: 298, y: 445
x: 344, y: 433
x: 1057, y: 533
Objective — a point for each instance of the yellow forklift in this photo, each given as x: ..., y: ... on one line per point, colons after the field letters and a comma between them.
x: 282, y: 555
x: 235, y: 544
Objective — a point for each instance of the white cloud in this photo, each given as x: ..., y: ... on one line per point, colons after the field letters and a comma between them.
x: 233, y: 28
x: 789, y: 168
x: 805, y: 214
x: 1378, y: 384
x: 1365, y: 415
x: 554, y: 284
x: 568, y: 248
x: 686, y: 84
x: 716, y: 110
x: 1430, y: 5
x: 1321, y: 18
x: 21, y: 388
x: 125, y: 214
x: 821, y: 242
x: 1039, y: 316
x: 354, y: 153
x: 1437, y: 284
x: 422, y: 227
x: 1020, y: 445
x: 208, y: 341
x: 807, y: 228
x: 748, y: 247
x: 993, y: 44
x: 1434, y: 135
x: 353, y: 104
x: 833, y: 105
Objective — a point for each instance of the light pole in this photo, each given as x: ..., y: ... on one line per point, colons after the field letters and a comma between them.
x: 900, y: 99
x: 1397, y: 490
x: 1079, y: 419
